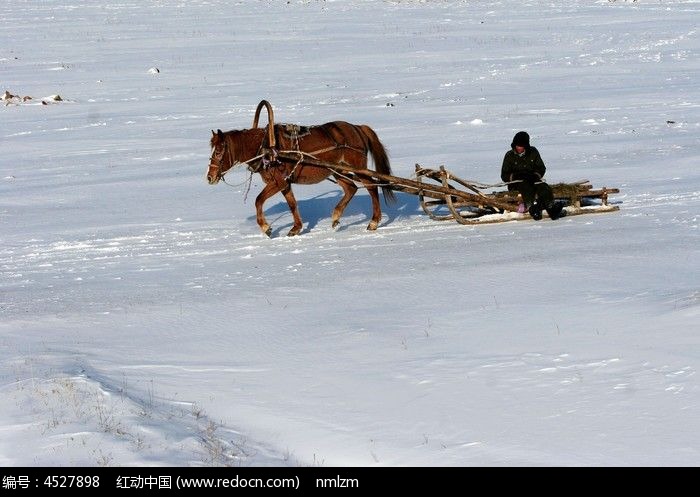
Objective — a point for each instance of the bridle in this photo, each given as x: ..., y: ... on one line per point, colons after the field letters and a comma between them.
x: 216, y: 159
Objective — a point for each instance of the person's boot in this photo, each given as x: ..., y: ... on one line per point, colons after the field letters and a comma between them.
x: 555, y: 210
x: 535, y: 211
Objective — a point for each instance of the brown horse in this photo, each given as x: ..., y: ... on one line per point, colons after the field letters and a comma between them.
x: 336, y: 142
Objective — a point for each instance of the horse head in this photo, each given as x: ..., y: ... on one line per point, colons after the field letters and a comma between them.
x: 219, y: 156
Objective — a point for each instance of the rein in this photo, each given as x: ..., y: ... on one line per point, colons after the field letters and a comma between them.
x: 248, y: 181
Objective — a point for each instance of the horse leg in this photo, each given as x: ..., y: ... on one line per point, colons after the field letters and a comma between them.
x: 267, y: 192
x: 349, y: 189
x: 292, y: 203
x: 376, y: 206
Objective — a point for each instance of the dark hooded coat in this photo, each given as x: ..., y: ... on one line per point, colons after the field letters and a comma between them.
x: 529, y: 168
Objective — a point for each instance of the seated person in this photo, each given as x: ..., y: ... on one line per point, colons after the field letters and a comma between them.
x: 523, y: 169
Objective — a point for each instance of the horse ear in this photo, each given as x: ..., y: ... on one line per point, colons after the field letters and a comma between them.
x: 213, y: 133
x: 220, y: 133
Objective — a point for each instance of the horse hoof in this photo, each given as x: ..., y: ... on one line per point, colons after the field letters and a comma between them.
x: 372, y: 226
x: 335, y: 225
x: 268, y: 232
x: 293, y: 232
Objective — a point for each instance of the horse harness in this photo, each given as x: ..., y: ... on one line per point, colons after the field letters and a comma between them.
x: 269, y: 157
x: 272, y: 156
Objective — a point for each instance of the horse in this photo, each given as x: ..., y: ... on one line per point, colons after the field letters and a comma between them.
x: 266, y: 151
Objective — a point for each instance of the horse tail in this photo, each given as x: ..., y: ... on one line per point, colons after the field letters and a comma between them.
x: 381, y: 159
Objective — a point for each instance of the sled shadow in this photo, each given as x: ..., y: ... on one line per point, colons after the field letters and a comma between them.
x: 317, y: 211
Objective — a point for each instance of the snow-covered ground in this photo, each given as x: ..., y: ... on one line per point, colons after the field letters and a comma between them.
x: 145, y: 320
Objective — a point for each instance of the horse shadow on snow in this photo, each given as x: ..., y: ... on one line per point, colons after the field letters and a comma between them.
x: 317, y: 211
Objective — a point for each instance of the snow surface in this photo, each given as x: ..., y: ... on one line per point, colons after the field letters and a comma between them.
x: 145, y: 320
